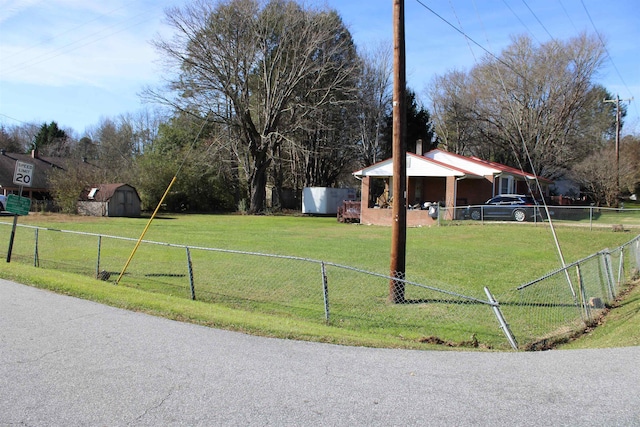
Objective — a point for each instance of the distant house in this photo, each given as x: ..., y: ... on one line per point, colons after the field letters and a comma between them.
x: 448, y: 179
x: 39, y: 192
x: 39, y: 189
x: 112, y: 200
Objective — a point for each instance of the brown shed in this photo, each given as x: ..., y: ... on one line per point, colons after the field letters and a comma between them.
x: 110, y: 200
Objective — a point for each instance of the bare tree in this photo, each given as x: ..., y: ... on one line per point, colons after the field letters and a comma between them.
x: 527, y: 102
x: 264, y: 62
x: 111, y: 145
x: 374, y: 101
x: 144, y: 125
x: 452, y: 106
x: 19, y: 138
x: 602, y: 179
x: 9, y: 140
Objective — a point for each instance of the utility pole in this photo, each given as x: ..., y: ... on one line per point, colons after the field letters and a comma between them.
x: 617, y: 102
x: 399, y: 204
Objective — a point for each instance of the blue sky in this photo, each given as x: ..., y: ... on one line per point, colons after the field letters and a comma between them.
x: 77, y: 61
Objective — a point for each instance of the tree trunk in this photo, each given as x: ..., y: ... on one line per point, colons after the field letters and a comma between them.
x: 258, y: 184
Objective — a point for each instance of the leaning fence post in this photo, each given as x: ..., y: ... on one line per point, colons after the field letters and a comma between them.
x: 325, y: 290
x: 503, y: 323
x: 190, y: 268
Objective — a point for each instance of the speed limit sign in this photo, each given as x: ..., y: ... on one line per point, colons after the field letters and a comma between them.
x: 23, y: 174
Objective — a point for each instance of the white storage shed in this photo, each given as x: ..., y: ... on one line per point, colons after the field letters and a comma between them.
x: 325, y: 200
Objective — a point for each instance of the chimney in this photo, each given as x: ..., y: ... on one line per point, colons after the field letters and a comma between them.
x: 3, y: 151
x: 419, y: 147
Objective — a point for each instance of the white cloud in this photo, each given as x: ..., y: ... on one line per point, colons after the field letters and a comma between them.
x: 69, y: 42
x: 11, y: 8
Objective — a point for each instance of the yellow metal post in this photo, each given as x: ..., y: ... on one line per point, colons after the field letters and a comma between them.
x: 145, y: 229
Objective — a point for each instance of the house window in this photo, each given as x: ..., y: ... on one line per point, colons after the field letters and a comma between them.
x: 506, y: 185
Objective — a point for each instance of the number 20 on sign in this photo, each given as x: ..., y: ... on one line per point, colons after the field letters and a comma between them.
x: 23, y: 174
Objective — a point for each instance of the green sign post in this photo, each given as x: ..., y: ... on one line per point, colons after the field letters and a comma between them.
x: 18, y: 205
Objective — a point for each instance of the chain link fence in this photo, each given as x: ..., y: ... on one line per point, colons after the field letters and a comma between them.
x: 412, y: 309
x: 563, y: 303
x: 588, y: 216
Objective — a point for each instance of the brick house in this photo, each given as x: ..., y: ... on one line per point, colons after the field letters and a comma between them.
x: 449, y: 179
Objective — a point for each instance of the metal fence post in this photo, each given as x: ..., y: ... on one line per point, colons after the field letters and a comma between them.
x: 503, y: 323
x: 98, y: 260
x: 325, y: 291
x: 606, y: 259
x: 586, y: 310
x: 620, y: 268
x: 190, y: 268
x: 36, y: 257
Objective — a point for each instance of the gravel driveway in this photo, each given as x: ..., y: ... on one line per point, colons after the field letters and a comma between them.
x: 70, y: 362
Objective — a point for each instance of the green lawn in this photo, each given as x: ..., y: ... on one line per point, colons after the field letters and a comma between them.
x: 619, y: 328
x: 282, y: 297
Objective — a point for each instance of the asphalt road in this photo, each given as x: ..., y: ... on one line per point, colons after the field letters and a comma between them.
x: 70, y: 362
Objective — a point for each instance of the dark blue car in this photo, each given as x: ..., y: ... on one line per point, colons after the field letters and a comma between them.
x: 506, y: 207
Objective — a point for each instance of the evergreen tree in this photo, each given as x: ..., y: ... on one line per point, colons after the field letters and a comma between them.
x: 419, y: 127
x: 51, y: 140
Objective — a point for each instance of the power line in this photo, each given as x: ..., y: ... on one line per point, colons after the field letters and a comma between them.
x: 568, y: 16
x: 70, y: 30
x: 13, y: 118
x: 466, y: 36
x: 539, y: 21
x: 77, y: 44
x: 608, y: 54
x: 528, y: 156
x: 520, y: 20
x: 604, y: 45
x: 81, y: 40
x: 460, y: 24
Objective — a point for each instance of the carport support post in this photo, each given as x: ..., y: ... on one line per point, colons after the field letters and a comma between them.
x: 399, y: 205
